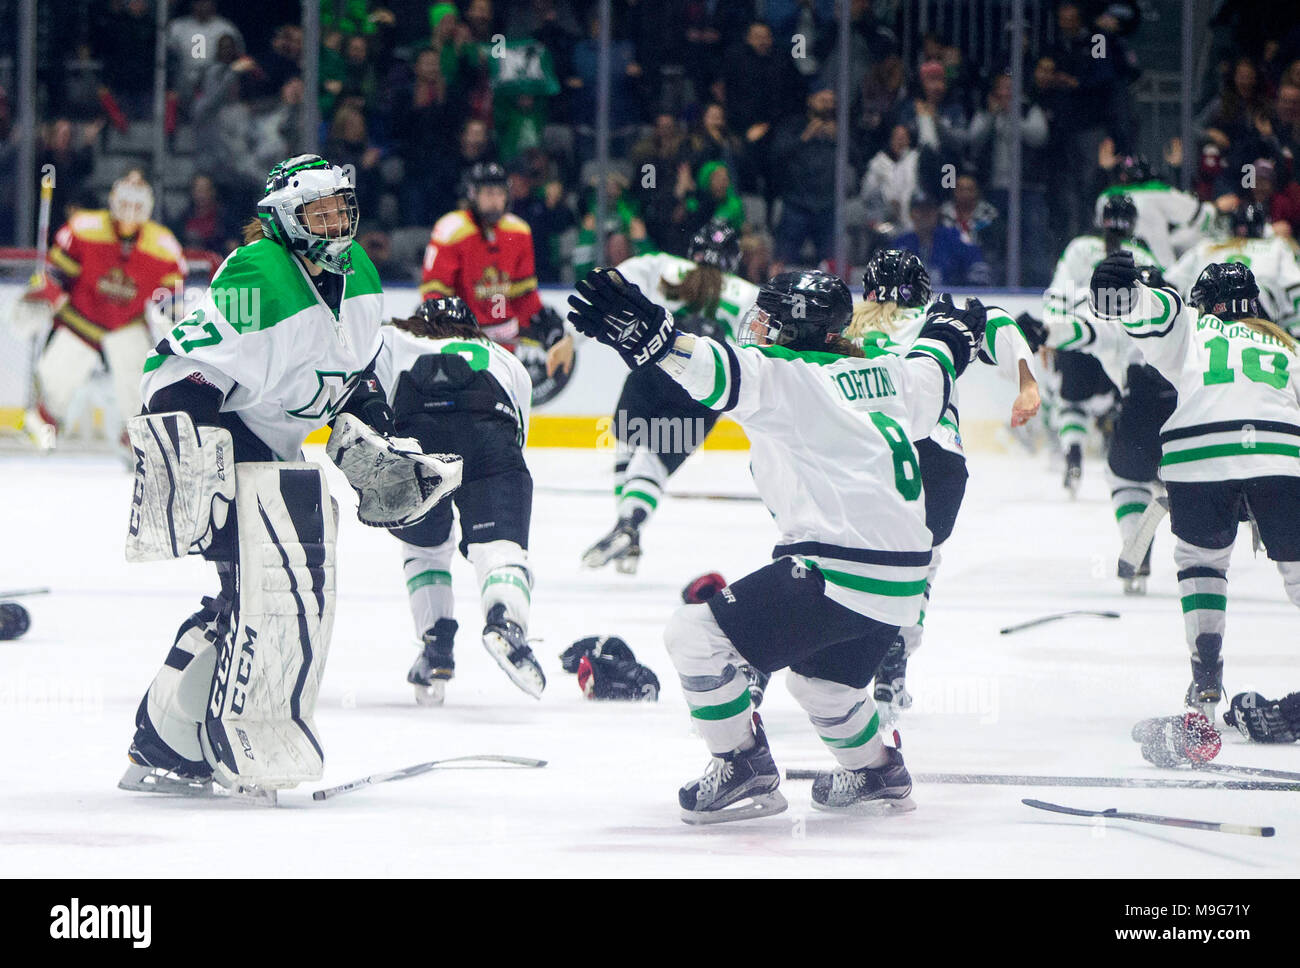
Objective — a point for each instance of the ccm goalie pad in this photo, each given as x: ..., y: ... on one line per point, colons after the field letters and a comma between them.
x: 396, y: 483
x: 183, y: 486
x: 258, y: 730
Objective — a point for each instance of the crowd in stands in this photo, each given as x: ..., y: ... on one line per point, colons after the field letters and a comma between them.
x: 718, y: 109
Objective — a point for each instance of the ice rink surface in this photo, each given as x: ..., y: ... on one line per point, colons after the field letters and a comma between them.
x: 1059, y: 699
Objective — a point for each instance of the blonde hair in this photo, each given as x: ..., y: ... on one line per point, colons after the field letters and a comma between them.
x: 700, y: 289
x: 253, y: 231
x: 871, y: 315
x: 1266, y: 327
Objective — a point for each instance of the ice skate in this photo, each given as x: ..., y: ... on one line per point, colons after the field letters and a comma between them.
x: 1135, y: 581
x: 142, y: 776
x: 622, y: 546
x: 505, y: 642
x: 872, y: 790
x: 1206, y: 689
x: 737, y: 786
x: 435, y: 665
x: 890, y: 692
x: 1073, y: 469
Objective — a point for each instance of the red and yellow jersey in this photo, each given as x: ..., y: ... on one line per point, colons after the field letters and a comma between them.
x: 493, y: 272
x: 109, y: 280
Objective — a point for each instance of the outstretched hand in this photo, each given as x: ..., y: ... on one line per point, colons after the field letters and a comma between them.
x: 615, y: 312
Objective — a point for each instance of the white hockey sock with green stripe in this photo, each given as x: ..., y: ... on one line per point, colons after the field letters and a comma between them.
x: 845, y: 718
x: 708, y: 666
x: 1129, y: 499
x: 428, y: 582
x: 1203, y: 589
x: 912, y: 633
x: 503, y: 578
x: 643, y: 484
x: 1071, y: 425
x: 622, y: 455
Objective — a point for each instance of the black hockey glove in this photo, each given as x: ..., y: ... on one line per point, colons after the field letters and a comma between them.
x: 547, y: 327
x: 614, y: 311
x: 1265, y: 721
x: 962, y: 330
x: 610, y: 646
x: 1153, y: 277
x: 369, y: 404
x: 1034, y: 330
x: 1113, y: 290
x: 604, y: 677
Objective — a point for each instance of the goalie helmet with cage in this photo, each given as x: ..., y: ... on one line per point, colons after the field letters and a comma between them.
x: 296, y: 214
x: 897, y: 276
x: 1119, y: 215
x: 130, y: 200
x: 1227, y: 290
x: 800, y: 309
x: 716, y: 244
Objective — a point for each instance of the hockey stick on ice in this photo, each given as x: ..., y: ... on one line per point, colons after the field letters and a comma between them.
x: 23, y: 592
x: 417, y: 769
x: 1135, y: 782
x: 1136, y: 548
x: 1248, y: 771
x: 1113, y: 814
x: 1056, y: 617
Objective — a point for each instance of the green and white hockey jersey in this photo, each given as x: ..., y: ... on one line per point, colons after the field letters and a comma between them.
x: 1169, y: 220
x: 401, y: 349
x: 1238, y: 413
x: 1069, y: 320
x: 1273, y: 262
x: 832, y: 457
x: 264, y: 337
x: 1004, y: 345
x: 650, y: 272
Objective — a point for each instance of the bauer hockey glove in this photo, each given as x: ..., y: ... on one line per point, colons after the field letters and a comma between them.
x: 1263, y: 720
x: 1113, y: 290
x: 614, y: 311
x: 962, y: 330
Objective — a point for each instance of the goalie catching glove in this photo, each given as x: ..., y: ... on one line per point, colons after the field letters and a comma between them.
x: 614, y: 311
x: 396, y: 483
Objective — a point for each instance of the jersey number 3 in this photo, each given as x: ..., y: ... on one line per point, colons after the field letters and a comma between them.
x: 907, y: 472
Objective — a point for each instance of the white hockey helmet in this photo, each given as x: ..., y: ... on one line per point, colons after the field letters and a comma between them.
x: 292, y: 186
x: 130, y: 200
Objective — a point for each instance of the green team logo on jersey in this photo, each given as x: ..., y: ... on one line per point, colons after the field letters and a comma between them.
x: 333, y: 387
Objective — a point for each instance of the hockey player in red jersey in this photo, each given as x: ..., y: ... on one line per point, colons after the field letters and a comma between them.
x: 484, y: 255
x: 101, y: 273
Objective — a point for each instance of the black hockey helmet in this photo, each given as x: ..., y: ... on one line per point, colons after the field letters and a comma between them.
x: 1119, y: 215
x: 798, y: 309
x: 1227, y: 290
x: 1249, y: 221
x: 440, y: 311
x: 897, y: 276
x: 716, y: 244
x: 484, y: 174
x: 1133, y: 169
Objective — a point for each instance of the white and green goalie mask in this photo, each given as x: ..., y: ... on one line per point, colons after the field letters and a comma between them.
x: 310, y: 208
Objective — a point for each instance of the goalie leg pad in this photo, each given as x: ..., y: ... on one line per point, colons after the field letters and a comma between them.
x: 183, y: 486
x: 125, y: 350
x: 258, y: 729
x: 65, y: 367
x: 397, y: 484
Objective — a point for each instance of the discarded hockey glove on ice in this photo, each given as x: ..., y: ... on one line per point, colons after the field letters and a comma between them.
x: 703, y: 588
x: 1178, y: 740
x: 1264, y: 720
x: 607, y: 669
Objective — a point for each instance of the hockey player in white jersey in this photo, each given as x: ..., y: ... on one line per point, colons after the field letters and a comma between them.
x: 831, y: 436
x: 1089, y: 382
x: 1146, y: 401
x: 1270, y: 258
x: 456, y: 391
x: 657, y: 425
x: 1169, y: 220
x: 896, y: 292
x: 283, y: 342
x: 1231, y: 448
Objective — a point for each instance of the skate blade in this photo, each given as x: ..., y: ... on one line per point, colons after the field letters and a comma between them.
x: 627, y: 565
x: 248, y: 793
x: 431, y: 695
x: 1136, y: 585
x: 759, y: 805
x: 881, y: 807
x: 528, y: 676
x: 147, y: 779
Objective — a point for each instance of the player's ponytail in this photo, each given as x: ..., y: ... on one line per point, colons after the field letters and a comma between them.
x: 871, y: 315
x: 1266, y: 327
x: 252, y: 231
x: 439, y: 327
x: 700, y: 289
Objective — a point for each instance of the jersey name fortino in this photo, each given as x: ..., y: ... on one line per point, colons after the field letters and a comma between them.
x: 333, y: 388
x: 865, y: 384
